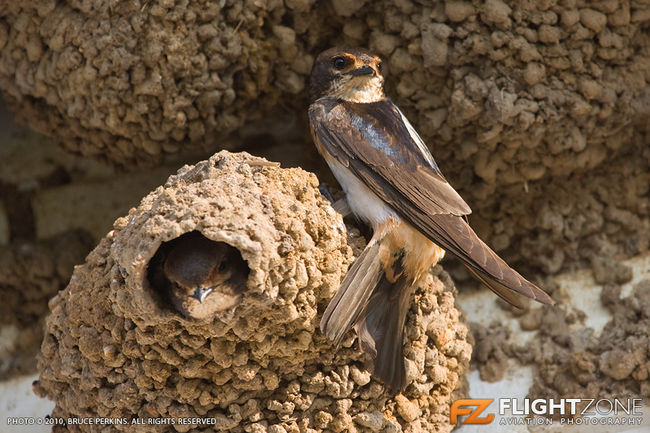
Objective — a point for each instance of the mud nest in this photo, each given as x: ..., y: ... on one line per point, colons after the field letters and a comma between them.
x: 30, y: 274
x: 536, y: 111
x: 115, y: 348
x: 529, y: 89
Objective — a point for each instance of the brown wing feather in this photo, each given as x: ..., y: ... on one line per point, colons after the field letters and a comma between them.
x: 453, y: 234
x: 373, y: 141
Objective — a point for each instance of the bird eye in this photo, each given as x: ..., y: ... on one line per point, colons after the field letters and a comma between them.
x: 380, y: 66
x: 222, y: 266
x: 339, y: 63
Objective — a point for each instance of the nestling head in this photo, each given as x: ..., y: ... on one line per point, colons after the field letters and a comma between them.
x: 202, y: 276
x: 350, y: 74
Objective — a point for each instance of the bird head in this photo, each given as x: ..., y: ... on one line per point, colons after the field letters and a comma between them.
x: 349, y: 74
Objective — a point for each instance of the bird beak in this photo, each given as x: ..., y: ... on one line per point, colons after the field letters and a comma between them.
x: 364, y: 70
x: 202, y: 292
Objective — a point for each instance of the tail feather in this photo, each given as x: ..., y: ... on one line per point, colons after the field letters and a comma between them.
x: 381, y: 330
x: 377, y: 308
x: 348, y: 303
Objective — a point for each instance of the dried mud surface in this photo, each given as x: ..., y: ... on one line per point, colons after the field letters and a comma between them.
x: 30, y: 274
x: 536, y: 111
x: 113, y: 348
x: 570, y: 360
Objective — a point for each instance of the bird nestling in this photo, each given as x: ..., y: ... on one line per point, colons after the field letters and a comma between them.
x: 392, y: 182
x: 199, y: 276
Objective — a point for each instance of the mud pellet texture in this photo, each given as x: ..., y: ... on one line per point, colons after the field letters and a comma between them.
x: 115, y: 348
x: 526, y: 106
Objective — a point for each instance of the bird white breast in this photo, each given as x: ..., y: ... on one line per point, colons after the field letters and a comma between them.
x: 363, y: 202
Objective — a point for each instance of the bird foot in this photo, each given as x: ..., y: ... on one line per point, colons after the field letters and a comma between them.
x: 341, y: 205
x: 326, y: 193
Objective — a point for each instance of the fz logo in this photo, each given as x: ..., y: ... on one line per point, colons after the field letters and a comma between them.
x: 463, y: 407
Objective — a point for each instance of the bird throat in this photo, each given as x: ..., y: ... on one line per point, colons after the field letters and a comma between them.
x: 361, y: 90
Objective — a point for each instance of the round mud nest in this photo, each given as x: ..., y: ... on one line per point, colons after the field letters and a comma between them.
x: 536, y: 111
x: 31, y: 273
x: 556, y: 85
x: 115, y: 347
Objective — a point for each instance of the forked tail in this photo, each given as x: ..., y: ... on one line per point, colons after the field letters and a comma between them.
x: 377, y: 308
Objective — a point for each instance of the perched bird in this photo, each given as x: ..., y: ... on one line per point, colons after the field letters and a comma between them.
x: 392, y: 182
x: 200, y: 276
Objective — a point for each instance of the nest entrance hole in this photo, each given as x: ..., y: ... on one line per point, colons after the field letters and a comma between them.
x: 193, y: 273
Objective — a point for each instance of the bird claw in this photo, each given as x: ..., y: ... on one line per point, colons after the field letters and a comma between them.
x: 326, y: 193
x: 341, y: 205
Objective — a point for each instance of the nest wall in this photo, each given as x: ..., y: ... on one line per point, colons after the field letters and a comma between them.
x: 115, y: 348
x: 536, y: 111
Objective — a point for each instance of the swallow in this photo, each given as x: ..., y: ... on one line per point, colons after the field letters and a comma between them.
x: 392, y: 182
x: 201, y: 277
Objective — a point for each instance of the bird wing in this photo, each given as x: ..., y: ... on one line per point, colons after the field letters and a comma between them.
x: 376, y: 143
